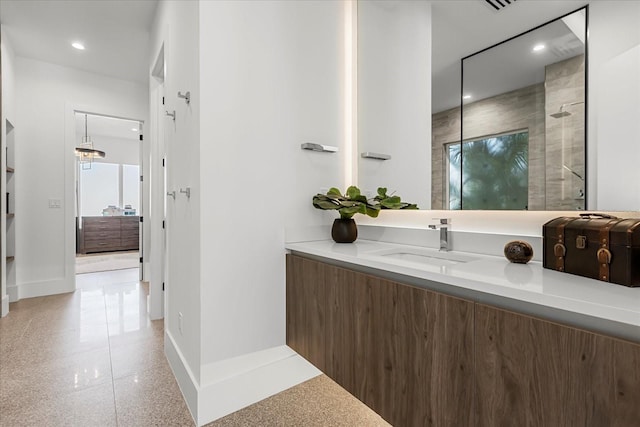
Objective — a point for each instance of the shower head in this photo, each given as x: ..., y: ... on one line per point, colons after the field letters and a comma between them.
x: 562, y: 112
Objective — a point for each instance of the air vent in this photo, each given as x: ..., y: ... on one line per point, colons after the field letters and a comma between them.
x: 499, y: 4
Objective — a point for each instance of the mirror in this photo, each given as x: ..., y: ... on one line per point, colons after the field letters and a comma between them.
x: 394, y: 55
x: 523, y: 125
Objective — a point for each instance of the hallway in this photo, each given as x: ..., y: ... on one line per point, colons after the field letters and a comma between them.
x: 88, y: 358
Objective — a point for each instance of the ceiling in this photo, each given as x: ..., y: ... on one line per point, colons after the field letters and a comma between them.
x: 463, y: 27
x: 109, y: 127
x: 114, y: 32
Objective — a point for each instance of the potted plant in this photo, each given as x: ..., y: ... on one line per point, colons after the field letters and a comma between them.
x: 344, y: 229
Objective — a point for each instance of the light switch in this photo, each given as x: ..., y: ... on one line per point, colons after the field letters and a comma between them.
x: 55, y: 203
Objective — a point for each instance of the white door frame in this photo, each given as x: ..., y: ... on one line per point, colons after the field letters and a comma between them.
x: 69, y: 279
x: 157, y: 258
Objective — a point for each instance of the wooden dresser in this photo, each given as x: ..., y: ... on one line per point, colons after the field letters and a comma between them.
x: 109, y: 233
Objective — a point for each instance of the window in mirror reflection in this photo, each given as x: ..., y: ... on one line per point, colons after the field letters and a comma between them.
x: 491, y: 173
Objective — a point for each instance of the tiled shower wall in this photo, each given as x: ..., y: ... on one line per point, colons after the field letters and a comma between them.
x: 525, y: 109
x: 565, y: 136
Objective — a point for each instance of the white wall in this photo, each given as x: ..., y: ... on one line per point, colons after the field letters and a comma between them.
x: 176, y: 26
x: 272, y: 76
x: 274, y: 72
x: 614, y: 104
x: 48, y: 94
x: 265, y: 76
x: 8, y: 113
x: 394, y: 98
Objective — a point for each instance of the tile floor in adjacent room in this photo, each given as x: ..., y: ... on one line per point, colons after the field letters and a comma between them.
x: 93, y: 358
x: 88, y: 358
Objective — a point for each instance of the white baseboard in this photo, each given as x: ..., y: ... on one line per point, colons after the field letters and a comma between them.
x: 186, y: 381
x: 236, y: 383
x: 5, y: 305
x: 267, y: 377
x: 216, y: 372
x: 40, y: 289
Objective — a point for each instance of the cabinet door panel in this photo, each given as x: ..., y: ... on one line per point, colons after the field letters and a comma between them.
x: 342, y: 332
x: 532, y: 372
x: 627, y: 384
x: 305, y: 305
x: 405, y: 352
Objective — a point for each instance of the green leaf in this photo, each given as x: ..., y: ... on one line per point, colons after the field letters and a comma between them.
x: 334, y: 191
x: 353, y: 192
x: 323, y: 204
x: 382, y: 192
x: 350, y: 211
x: 360, y: 198
x: 372, y: 211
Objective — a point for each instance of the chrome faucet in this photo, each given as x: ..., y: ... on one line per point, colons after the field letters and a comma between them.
x: 444, y: 232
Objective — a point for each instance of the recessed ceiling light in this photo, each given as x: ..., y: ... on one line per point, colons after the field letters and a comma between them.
x: 538, y: 47
x: 134, y: 130
x: 78, y: 45
x: 466, y: 97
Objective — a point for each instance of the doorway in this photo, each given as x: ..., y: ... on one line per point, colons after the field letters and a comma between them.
x: 108, y: 194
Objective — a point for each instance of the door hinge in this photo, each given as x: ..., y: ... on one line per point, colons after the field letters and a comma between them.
x: 140, y: 260
x: 141, y: 138
x: 163, y: 286
x: 162, y: 162
x: 141, y: 178
x: 163, y: 224
x: 141, y: 220
x: 163, y: 100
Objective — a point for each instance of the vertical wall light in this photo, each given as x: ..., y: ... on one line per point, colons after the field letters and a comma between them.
x: 350, y: 92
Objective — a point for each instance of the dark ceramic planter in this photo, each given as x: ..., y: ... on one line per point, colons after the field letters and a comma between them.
x: 344, y: 230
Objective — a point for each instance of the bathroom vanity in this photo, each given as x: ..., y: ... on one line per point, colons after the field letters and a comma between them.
x: 464, y: 339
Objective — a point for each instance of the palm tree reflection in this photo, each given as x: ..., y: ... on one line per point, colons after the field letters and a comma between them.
x: 495, y: 173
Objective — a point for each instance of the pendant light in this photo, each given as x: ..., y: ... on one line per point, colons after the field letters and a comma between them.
x: 85, y: 151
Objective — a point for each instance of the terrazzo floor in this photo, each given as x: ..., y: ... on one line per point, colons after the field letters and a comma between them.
x: 93, y: 358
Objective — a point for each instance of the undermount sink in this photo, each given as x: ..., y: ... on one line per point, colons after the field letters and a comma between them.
x: 423, y: 256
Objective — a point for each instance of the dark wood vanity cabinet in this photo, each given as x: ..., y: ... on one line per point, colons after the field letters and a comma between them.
x: 532, y: 372
x: 109, y: 233
x: 405, y: 352
x: 421, y: 358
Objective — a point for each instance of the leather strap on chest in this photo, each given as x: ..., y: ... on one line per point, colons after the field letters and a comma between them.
x: 559, y: 249
x: 604, y: 254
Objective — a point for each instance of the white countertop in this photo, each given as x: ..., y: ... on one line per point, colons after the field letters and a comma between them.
x: 530, y: 288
